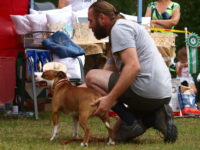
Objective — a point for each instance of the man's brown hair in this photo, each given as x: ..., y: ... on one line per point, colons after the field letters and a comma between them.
x: 106, y: 8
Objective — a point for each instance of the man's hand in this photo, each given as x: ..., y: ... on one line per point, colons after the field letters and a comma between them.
x: 104, y: 104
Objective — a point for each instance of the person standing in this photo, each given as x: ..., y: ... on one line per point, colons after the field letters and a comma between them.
x: 135, y: 81
x: 164, y: 14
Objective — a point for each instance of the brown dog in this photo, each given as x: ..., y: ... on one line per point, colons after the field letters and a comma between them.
x: 68, y: 98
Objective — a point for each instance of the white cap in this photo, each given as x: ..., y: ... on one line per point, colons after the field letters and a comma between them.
x: 55, y: 66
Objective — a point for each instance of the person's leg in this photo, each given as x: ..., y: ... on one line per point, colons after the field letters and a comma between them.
x: 123, y: 112
x: 159, y: 116
x: 128, y: 126
x: 144, y: 113
x: 165, y: 124
x: 98, y: 79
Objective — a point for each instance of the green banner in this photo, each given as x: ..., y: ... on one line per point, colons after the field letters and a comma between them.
x: 193, y: 42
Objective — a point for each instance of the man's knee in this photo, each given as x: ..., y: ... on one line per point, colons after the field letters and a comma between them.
x: 91, y: 77
x: 98, y: 77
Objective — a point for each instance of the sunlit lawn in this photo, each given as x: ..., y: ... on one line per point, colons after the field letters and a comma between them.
x: 29, y: 134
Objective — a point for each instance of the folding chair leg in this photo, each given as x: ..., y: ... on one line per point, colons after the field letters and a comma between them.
x: 34, y: 91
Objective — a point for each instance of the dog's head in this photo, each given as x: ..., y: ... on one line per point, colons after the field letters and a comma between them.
x: 41, y: 82
x: 53, y: 75
x: 50, y: 68
x: 48, y: 78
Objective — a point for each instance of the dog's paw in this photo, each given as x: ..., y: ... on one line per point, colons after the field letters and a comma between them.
x: 111, y: 142
x: 53, y: 137
x: 84, y: 144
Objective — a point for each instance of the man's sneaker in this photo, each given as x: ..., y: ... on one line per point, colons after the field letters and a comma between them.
x: 164, y: 123
x: 126, y: 133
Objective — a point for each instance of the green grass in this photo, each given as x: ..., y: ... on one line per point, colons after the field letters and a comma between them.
x: 29, y: 134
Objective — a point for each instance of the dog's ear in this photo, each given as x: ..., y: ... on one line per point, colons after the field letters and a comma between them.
x: 61, y: 74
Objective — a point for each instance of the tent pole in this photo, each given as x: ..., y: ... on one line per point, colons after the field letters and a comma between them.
x: 139, y: 17
x: 31, y: 5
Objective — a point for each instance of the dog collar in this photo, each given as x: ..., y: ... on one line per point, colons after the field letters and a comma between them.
x: 61, y: 80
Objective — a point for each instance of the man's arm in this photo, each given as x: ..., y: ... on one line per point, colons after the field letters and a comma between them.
x: 110, y: 64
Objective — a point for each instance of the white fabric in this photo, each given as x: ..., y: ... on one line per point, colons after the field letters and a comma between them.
x: 82, y: 13
x: 80, y: 4
x: 67, y: 9
x: 63, y: 18
x: 72, y: 65
x: 54, y: 66
x: 38, y: 22
x: 145, y: 20
x: 56, y: 19
x: 174, y: 102
x: 21, y: 24
x: 32, y: 11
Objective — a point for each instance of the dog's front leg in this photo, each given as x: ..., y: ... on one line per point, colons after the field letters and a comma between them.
x: 75, y: 127
x: 56, y: 125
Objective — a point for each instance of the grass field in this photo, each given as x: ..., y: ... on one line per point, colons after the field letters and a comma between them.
x: 29, y: 134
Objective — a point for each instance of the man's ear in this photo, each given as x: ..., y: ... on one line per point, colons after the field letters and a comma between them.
x: 101, y: 18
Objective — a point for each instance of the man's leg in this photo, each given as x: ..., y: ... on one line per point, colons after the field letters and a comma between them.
x: 160, y: 116
x: 98, y: 79
x: 165, y: 124
x: 152, y: 113
x: 129, y: 126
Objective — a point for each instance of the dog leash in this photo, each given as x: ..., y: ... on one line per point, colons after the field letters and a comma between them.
x: 92, y: 139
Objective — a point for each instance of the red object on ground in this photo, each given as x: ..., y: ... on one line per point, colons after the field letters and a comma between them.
x: 190, y: 111
x: 176, y: 114
x: 10, y: 45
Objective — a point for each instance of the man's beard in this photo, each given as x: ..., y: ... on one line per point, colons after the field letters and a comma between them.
x: 99, y: 31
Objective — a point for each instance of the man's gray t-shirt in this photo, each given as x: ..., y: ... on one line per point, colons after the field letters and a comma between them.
x: 154, y: 79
